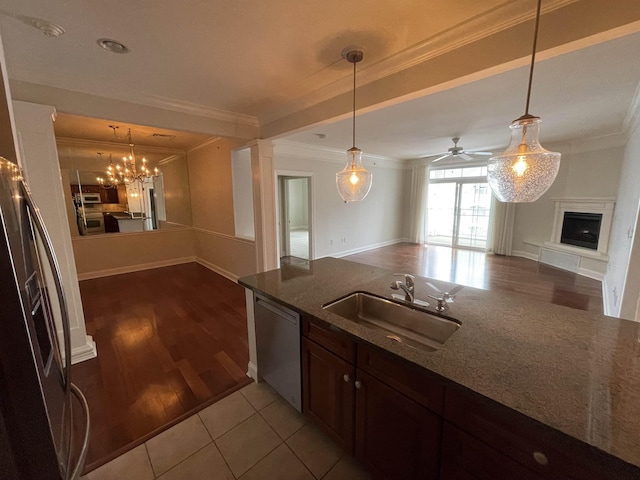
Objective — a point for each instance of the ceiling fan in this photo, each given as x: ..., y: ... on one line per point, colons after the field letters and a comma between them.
x: 456, y: 151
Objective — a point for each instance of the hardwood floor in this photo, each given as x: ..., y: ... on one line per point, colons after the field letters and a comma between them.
x: 489, y: 272
x: 170, y: 342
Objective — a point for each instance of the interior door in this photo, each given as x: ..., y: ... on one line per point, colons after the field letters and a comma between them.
x: 295, y: 216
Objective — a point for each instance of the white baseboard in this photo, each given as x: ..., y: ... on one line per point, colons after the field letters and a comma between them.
x: 134, y: 268
x: 590, y: 274
x: 366, y: 248
x: 523, y: 254
x: 215, y: 268
x: 84, y: 352
x: 252, y: 371
x: 608, y: 306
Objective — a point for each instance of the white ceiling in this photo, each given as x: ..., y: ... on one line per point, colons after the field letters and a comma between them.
x: 584, y: 93
x: 264, y: 60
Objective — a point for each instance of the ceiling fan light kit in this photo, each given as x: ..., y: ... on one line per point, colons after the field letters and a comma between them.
x: 525, y: 170
x: 353, y: 181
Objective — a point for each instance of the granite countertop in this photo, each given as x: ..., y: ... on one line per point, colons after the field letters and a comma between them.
x: 572, y: 370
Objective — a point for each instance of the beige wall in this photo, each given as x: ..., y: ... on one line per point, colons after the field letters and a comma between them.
x: 177, y: 201
x: 102, y: 255
x: 229, y: 256
x: 211, y: 184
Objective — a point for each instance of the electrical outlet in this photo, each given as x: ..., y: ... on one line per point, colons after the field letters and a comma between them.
x: 331, y: 242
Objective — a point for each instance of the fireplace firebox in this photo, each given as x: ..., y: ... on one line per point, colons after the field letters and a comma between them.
x: 581, y: 229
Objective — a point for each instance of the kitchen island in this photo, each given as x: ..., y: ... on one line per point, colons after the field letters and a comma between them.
x: 571, y: 372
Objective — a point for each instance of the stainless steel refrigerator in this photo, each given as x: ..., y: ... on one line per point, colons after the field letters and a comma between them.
x: 44, y: 418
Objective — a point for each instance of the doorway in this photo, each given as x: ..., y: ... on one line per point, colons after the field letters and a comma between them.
x: 294, y: 216
x: 459, y: 205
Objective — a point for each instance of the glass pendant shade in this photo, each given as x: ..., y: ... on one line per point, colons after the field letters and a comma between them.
x: 353, y: 181
x: 525, y: 170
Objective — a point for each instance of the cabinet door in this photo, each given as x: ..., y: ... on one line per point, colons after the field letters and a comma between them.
x: 463, y: 456
x: 396, y: 438
x: 328, y: 393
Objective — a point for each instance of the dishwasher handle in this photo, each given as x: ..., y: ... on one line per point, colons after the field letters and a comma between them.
x: 280, y: 311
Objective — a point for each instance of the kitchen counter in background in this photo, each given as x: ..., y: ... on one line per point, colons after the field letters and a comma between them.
x: 571, y: 370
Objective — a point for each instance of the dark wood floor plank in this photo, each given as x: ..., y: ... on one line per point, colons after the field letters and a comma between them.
x: 170, y: 341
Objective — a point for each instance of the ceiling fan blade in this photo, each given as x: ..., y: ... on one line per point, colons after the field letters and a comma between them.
x: 440, y: 158
x: 465, y: 156
x: 455, y: 289
x: 479, y: 153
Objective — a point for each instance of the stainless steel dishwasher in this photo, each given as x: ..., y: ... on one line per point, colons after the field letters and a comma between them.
x: 278, y: 348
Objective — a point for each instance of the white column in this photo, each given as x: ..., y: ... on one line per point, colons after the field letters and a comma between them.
x: 38, y: 156
x: 264, y: 204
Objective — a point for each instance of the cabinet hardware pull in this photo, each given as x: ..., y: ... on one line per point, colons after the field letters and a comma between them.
x: 541, y: 458
x: 346, y: 377
x: 358, y: 384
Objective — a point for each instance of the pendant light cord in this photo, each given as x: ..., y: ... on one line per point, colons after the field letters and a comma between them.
x: 533, y: 57
x: 354, y: 105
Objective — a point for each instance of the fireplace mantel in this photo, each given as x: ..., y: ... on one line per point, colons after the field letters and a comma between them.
x: 585, y: 261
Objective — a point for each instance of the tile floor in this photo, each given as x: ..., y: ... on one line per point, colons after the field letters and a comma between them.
x: 251, y: 434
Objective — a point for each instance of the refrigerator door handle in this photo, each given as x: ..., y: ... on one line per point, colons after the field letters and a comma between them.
x: 77, y: 471
x: 57, y: 276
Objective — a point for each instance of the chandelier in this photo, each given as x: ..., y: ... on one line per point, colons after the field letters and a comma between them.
x: 129, y: 171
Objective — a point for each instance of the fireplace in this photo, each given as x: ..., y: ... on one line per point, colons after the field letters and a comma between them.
x: 581, y: 229
x: 580, y: 235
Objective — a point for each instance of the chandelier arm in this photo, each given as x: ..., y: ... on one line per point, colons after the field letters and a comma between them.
x: 533, y: 56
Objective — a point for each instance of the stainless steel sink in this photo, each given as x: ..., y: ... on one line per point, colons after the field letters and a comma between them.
x: 398, y: 322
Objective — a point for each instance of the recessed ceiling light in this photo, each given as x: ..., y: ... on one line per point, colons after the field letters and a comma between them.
x: 112, y: 45
x: 48, y: 28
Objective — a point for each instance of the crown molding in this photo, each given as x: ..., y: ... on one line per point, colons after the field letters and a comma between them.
x: 632, y: 118
x: 170, y: 159
x: 79, y: 142
x: 140, y: 98
x: 502, y: 17
x: 193, y: 109
x: 204, y: 144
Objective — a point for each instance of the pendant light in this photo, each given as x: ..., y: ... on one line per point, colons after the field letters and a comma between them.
x: 353, y: 181
x: 525, y: 170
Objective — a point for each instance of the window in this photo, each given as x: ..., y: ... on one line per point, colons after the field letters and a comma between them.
x: 459, y: 204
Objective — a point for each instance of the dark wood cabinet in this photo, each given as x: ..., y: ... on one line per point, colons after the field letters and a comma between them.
x: 490, y: 441
x: 109, y: 195
x: 396, y: 438
x: 465, y: 457
x: 404, y: 422
x: 328, y: 394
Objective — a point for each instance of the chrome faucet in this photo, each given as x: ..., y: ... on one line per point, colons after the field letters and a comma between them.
x: 407, y: 287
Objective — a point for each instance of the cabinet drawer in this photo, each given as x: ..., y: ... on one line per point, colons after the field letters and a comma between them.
x: 463, y: 456
x: 407, y: 378
x: 331, y: 338
x: 540, y: 449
